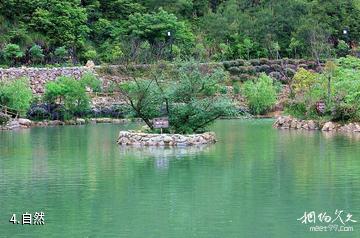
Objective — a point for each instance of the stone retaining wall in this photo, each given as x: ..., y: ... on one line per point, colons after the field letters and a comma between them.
x: 145, y: 139
x: 39, y: 76
x: 287, y: 122
x: 111, y: 74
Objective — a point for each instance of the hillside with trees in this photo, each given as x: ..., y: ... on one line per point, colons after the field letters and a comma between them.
x: 40, y: 32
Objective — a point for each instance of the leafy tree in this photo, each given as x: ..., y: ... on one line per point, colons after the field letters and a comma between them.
x: 294, y: 46
x: 145, y: 98
x: 245, y: 48
x: 64, y: 22
x: 192, y: 99
x: 154, y: 27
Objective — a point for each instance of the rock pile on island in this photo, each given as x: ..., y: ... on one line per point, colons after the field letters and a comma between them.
x: 145, y: 139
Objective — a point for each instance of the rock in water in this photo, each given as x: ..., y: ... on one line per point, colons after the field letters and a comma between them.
x: 328, y: 126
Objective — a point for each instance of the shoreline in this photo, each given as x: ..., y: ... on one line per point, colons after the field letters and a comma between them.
x: 291, y: 123
x: 280, y: 122
x: 22, y: 123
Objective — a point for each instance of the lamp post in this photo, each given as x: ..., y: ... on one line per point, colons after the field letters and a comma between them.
x: 346, y: 35
x: 170, y: 38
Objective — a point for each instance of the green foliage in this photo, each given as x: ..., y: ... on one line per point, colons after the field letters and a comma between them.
x: 70, y: 92
x: 338, y: 86
x: 61, y: 54
x: 303, y: 80
x: 12, y: 52
x: 342, y: 49
x: 90, y: 80
x: 90, y: 55
x: 190, y: 98
x: 260, y: 95
x: 244, y: 48
x: 36, y: 53
x: 145, y: 97
x: 236, y: 89
x: 111, y: 53
x: 64, y: 22
x: 224, y: 30
x: 153, y: 27
x: 16, y: 94
x: 349, y: 62
x: 223, y: 90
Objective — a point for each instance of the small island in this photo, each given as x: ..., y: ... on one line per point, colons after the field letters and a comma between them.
x: 184, y: 99
x: 146, y: 139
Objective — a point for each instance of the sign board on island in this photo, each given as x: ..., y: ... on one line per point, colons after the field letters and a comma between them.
x: 320, y: 107
x: 161, y: 122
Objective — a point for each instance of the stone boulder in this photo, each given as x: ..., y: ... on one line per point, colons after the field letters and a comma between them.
x: 90, y: 64
x: 312, y: 125
x: 80, y: 121
x: 329, y: 126
x: 25, y: 122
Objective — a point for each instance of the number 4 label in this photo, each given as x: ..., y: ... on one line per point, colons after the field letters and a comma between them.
x: 13, y: 219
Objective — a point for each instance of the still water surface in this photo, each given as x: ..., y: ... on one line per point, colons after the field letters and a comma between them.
x: 255, y: 182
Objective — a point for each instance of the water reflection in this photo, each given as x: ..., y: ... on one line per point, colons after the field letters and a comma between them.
x: 143, y: 152
x: 162, y: 155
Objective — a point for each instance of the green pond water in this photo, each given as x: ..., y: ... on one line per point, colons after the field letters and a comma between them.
x: 255, y: 182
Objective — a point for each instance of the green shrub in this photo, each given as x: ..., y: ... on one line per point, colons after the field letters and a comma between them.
x: 90, y: 55
x: 36, y: 54
x: 342, y: 49
x: 16, y: 94
x: 303, y: 80
x: 236, y: 89
x: 12, y: 52
x: 260, y: 95
x: 223, y: 90
x: 61, y: 54
x: 111, y: 53
x: 71, y: 93
x: 90, y: 80
x: 296, y: 109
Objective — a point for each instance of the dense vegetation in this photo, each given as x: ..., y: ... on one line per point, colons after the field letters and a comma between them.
x: 112, y: 31
x: 338, y: 88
